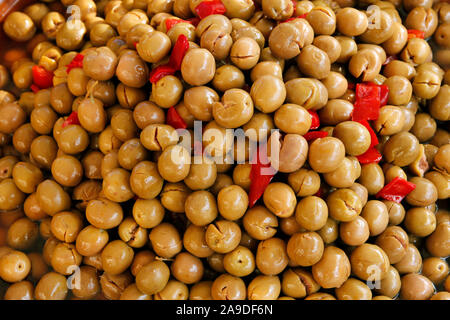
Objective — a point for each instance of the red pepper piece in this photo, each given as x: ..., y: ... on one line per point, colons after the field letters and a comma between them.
x: 396, y: 190
x: 173, y: 119
x: 294, y: 4
x: 135, y: 44
x: 206, y: 8
x: 34, y: 88
x: 171, y: 22
x: 160, y: 72
x: 290, y: 19
x: 42, y: 78
x: 77, y: 62
x: 179, y: 50
x: 313, y: 135
x: 261, y: 174
x: 320, y: 193
x: 373, y: 136
x: 384, y: 92
x: 302, y: 16
x: 315, y: 123
x: 71, y: 119
x: 259, y: 180
x: 366, y: 90
x: 176, y: 57
x: 384, y: 95
x: 415, y: 34
x: 367, y: 104
x: 194, y: 21
x: 370, y: 156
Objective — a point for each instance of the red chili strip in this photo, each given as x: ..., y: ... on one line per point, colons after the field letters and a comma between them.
x: 207, y: 8
x: 367, y: 104
x: 384, y: 95
x: 179, y: 50
x: 77, y: 62
x: 289, y: 20
x: 313, y: 135
x: 194, y: 21
x: 174, y: 119
x: 71, y: 119
x: 373, y: 136
x: 315, y: 123
x: 34, y: 88
x: 42, y: 78
x: 261, y: 174
x: 384, y: 92
x: 370, y: 156
x: 396, y: 190
x: 415, y: 34
x: 320, y: 193
x: 171, y: 22
x: 176, y: 57
x: 160, y: 72
x: 302, y: 16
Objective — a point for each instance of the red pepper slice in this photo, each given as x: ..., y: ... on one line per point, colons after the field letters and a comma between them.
x: 179, y: 50
x: 34, y: 88
x: 370, y: 156
x: 174, y: 119
x: 194, y: 21
x: 71, y: 119
x: 42, y: 78
x: 396, y: 190
x: 367, y: 104
x: 160, y: 72
x: 384, y: 95
x: 171, y: 22
x: 77, y: 62
x: 294, y: 4
x: 302, y: 16
x: 373, y: 136
x: 384, y: 92
x: 315, y: 123
x: 415, y: 34
x: 313, y: 135
x: 176, y: 57
x: 206, y: 8
x: 135, y: 44
x: 289, y: 20
x: 259, y: 176
x: 320, y: 193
